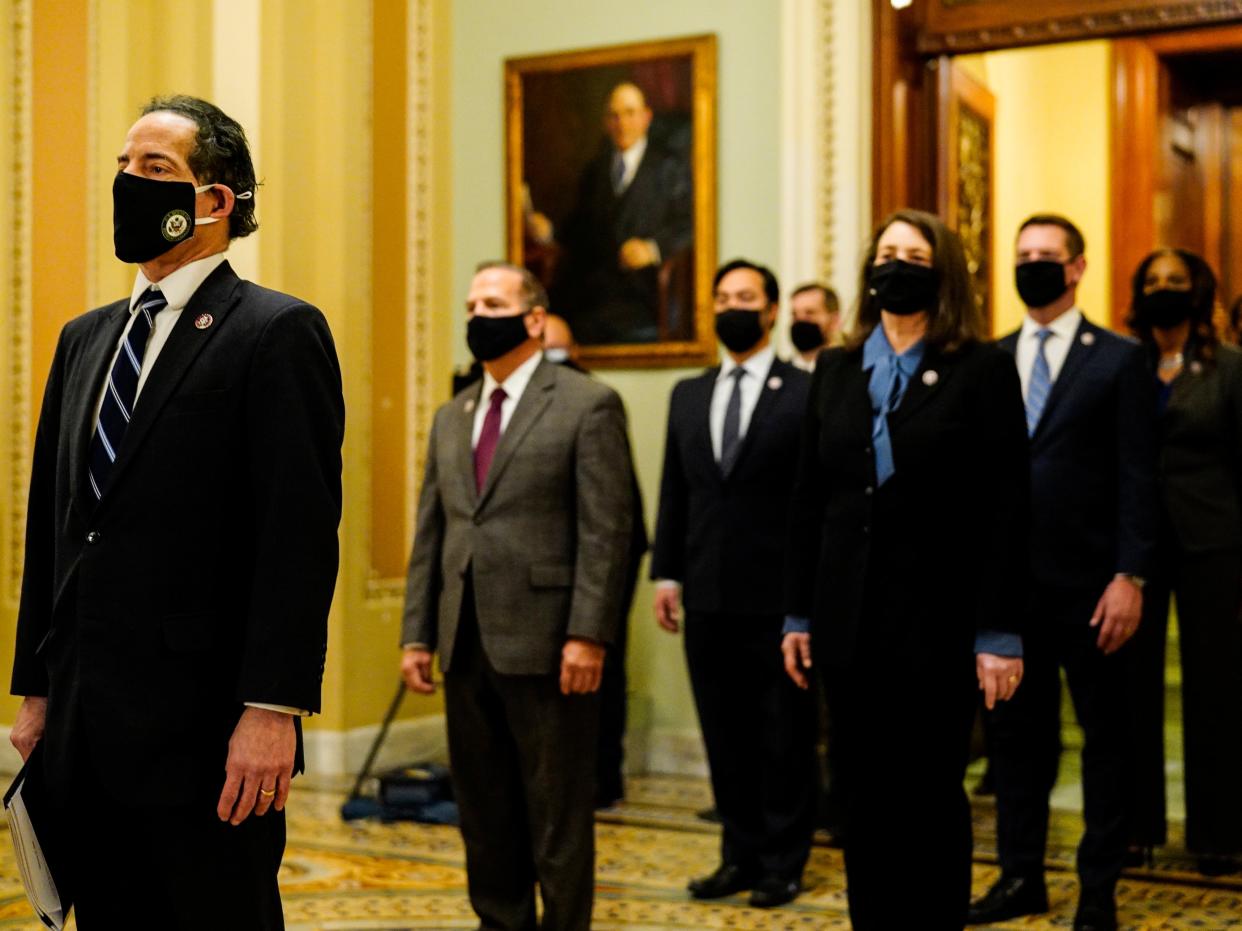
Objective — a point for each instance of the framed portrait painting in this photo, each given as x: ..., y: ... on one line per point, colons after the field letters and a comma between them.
x: 611, y: 184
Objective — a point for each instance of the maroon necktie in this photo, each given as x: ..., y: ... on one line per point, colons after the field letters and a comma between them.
x: 488, y: 438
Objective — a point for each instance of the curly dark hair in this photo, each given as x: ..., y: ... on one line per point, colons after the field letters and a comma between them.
x: 955, y: 320
x: 221, y: 154
x: 1203, y: 339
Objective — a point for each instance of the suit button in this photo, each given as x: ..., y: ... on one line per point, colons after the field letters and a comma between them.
x: 93, y: 537
x: 866, y: 529
x: 868, y: 491
x: 868, y: 450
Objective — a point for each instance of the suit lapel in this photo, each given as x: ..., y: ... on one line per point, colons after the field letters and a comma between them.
x: 934, y: 370
x: 216, y: 296
x: 464, y: 439
x: 1080, y: 351
x: 701, y: 418
x: 100, y: 346
x: 534, y: 401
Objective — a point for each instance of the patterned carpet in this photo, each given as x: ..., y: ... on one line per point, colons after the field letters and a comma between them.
x: 373, y: 877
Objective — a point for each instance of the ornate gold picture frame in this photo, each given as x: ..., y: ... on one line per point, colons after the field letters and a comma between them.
x: 611, y: 195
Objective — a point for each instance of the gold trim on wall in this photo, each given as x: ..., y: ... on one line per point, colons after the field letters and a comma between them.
x: 419, y: 388
x: 18, y: 367
x: 826, y: 256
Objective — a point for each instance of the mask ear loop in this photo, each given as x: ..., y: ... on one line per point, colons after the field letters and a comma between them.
x: 206, y: 221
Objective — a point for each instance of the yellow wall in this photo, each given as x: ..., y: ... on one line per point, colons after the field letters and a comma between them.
x: 1052, y: 156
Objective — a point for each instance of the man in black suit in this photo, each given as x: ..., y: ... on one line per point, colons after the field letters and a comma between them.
x: 729, y: 466
x: 1089, y: 414
x: 181, y: 552
x: 633, y: 213
x: 515, y: 579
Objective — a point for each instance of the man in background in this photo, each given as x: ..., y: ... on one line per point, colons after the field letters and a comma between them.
x: 516, y: 579
x: 816, y: 323
x: 1090, y: 415
x: 719, y: 551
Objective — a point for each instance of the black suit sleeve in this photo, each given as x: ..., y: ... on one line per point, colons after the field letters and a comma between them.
x: 806, y: 507
x: 1136, y: 466
x: 295, y: 425
x: 668, y: 555
x: 1004, y: 496
x: 34, y: 617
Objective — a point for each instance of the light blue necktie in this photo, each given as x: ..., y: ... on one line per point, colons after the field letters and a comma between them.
x: 1040, y: 385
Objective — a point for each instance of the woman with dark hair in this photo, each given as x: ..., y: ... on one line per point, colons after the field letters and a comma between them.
x: 1198, y: 393
x: 907, y: 562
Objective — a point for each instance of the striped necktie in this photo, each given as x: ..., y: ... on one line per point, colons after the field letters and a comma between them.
x: 1040, y: 385
x: 122, y: 391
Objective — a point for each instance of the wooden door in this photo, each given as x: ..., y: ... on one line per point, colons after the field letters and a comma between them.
x: 965, y: 181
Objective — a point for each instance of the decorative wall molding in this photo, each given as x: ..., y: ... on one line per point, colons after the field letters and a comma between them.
x: 1082, y: 25
x: 19, y: 363
x: 420, y: 179
x: 827, y: 88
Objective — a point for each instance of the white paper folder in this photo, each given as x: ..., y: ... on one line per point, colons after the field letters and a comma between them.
x: 23, y: 825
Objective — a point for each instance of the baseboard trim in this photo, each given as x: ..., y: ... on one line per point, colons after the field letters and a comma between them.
x: 340, y: 753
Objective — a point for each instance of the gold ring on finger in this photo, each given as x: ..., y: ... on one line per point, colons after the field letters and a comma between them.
x: 267, y: 793
x: 1013, y: 679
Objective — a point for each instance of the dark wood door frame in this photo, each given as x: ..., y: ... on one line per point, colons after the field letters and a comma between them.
x: 906, y: 44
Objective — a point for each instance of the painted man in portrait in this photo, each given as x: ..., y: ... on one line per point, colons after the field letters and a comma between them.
x: 629, y: 236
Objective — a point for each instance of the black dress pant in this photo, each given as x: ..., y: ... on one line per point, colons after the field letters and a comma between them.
x: 903, y: 728
x: 759, y: 731
x: 609, y: 779
x: 177, y: 868
x: 1208, y: 588
x: 523, y: 768
x: 1026, y: 741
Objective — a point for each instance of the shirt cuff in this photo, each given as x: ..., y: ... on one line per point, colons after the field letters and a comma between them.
x: 417, y: 646
x: 796, y: 625
x: 999, y: 643
x: 283, y: 709
x: 667, y: 585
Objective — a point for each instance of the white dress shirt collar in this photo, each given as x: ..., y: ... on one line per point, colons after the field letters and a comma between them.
x: 757, y: 366
x: 1064, y: 326
x: 179, y: 286
x: 514, y: 385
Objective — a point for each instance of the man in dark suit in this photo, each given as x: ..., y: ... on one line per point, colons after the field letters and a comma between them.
x: 1089, y: 413
x: 181, y: 552
x: 729, y: 466
x: 515, y: 579
x: 633, y: 213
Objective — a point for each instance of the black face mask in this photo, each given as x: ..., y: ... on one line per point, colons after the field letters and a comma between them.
x: 150, y: 217
x: 739, y: 328
x: 904, y: 288
x: 806, y: 335
x: 491, y: 337
x: 1163, y: 309
x: 1040, y: 283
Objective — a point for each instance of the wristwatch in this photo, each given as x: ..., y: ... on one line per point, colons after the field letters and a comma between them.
x: 1138, y: 580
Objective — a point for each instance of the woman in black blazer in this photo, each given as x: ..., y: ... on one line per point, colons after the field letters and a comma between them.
x: 1198, y: 395
x: 908, y: 563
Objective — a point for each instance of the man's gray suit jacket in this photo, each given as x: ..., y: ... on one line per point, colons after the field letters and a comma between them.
x: 547, y: 538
